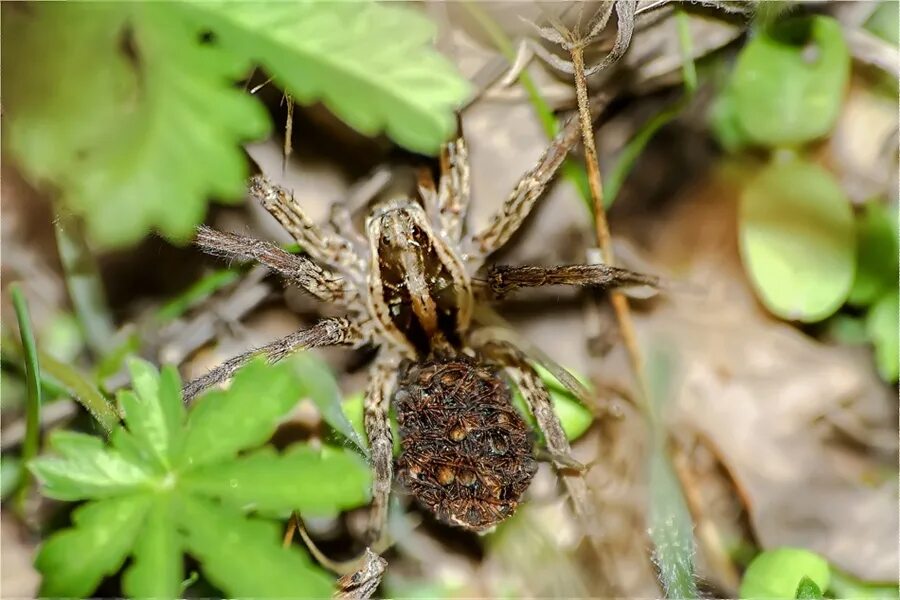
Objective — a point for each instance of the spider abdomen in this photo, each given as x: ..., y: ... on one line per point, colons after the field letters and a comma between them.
x: 467, y: 453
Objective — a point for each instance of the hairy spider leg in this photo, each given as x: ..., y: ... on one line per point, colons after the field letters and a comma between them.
x: 517, y: 206
x: 320, y: 242
x: 453, y: 193
x: 382, y: 379
x: 504, y: 279
x: 297, y: 269
x: 327, y: 332
x: 515, y: 364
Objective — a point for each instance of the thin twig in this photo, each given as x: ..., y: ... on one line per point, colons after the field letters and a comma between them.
x: 601, y: 228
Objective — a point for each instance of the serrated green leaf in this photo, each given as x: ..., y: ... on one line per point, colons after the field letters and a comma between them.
x: 86, y: 469
x: 797, y: 240
x: 74, y: 561
x: 154, y: 418
x: 877, y: 254
x: 244, y: 557
x: 808, y: 590
x: 790, y: 80
x: 883, y: 329
x: 369, y: 63
x: 318, y: 482
x: 129, y: 113
x: 777, y: 573
x: 156, y: 569
x: 320, y: 386
x: 222, y: 423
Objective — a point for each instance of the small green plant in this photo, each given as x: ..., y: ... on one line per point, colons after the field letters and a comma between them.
x: 806, y: 251
x: 132, y: 113
x: 197, y: 482
x: 786, y: 573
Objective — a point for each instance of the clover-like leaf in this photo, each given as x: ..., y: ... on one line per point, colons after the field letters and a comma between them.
x: 222, y: 423
x: 267, y: 481
x: 73, y: 561
x: 790, y: 80
x: 157, y: 568
x: 245, y: 556
x: 797, y: 240
x: 778, y: 573
x: 173, y: 482
x: 154, y: 412
x: 87, y: 469
x: 131, y: 113
x: 370, y: 63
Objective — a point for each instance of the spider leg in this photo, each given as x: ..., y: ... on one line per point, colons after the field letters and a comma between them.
x: 505, y: 279
x: 297, y: 269
x: 327, y: 332
x: 382, y: 377
x: 504, y: 223
x: 515, y: 364
x: 519, y: 203
x: 322, y: 243
x: 361, y: 584
x: 454, y: 188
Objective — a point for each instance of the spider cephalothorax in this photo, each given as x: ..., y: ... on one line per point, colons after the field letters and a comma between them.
x: 408, y: 286
x: 467, y: 453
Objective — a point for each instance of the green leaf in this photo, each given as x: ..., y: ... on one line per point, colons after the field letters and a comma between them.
x: 244, y: 556
x: 130, y: 114
x: 320, y: 386
x: 301, y: 478
x: 725, y: 123
x: 154, y: 418
x: 883, y: 329
x: 371, y: 64
x: 156, y: 570
x: 797, y: 240
x: 222, y: 423
x: 86, y: 469
x: 883, y: 21
x: 789, y: 81
x: 808, y: 590
x: 877, y: 252
x: 74, y: 561
x: 777, y: 573
x: 847, y: 329
x: 10, y: 474
x: 846, y: 586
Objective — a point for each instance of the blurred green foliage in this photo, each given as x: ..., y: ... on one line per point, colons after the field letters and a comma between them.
x: 132, y: 113
x: 790, y: 80
x: 797, y: 240
x: 884, y: 20
x: 179, y: 481
x: 806, y: 250
x: 808, y: 590
x: 778, y: 573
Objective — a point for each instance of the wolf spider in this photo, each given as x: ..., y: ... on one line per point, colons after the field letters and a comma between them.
x: 409, y: 286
